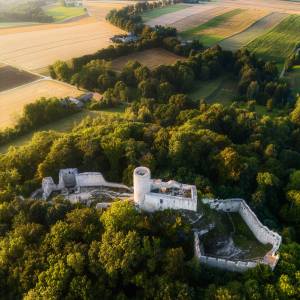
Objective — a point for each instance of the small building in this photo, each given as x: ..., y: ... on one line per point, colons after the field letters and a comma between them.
x: 125, y: 39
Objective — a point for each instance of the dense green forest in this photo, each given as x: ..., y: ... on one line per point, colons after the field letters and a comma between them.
x: 56, y: 250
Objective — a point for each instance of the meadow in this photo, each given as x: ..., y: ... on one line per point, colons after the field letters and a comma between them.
x: 60, y: 13
x: 223, y: 26
x: 278, y: 43
x: 151, y: 58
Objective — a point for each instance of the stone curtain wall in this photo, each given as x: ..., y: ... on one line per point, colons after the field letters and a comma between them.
x: 226, y: 264
x: 261, y: 232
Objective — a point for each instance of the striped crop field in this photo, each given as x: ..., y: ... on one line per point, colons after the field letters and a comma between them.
x: 224, y: 26
x: 278, y: 43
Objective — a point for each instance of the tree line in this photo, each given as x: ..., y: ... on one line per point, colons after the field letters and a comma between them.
x: 67, y: 251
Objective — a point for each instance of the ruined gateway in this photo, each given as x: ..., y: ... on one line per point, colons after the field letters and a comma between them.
x: 151, y: 195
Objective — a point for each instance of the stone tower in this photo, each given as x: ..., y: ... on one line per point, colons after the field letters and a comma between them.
x: 141, y: 184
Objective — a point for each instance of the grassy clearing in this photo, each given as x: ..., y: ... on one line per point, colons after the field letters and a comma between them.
x: 223, y: 26
x: 278, y: 43
x: 60, y: 13
x: 63, y: 125
x: 157, y: 12
x: 221, y: 90
x: 151, y: 58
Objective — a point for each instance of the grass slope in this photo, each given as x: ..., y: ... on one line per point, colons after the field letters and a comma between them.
x: 157, y: 12
x: 60, y: 13
x: 63, y: 125
x: 195, y: 33
x: 278, y: 43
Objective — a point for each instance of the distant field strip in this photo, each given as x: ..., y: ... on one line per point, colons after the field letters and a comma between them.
x: 181, y: 14
x: 260, y: 27
x: 199, y: 18
x: 223, y: 26
x: 151, y: 58
x: 157, y: 12
x: 278, y: 43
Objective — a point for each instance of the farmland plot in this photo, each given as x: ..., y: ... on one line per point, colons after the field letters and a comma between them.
x: 260, y: 27
x: 278, y: 43
x: 151, y: 58
x: 13, y: 101
x: 11, y: 77
x: 224, y: 26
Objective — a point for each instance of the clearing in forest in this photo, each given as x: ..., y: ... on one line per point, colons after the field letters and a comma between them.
x: 278, y: 43
x: 151, y: 58
x: 160, y: 11
x: 13, y: 101
x: 11, y: 77
x: 260, y: 27
x: 224, y: 25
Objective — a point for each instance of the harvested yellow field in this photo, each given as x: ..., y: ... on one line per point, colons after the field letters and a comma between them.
x: 151, y: 58
x: 237, y: 23
x: 13, y: 101
x: 34, y: 48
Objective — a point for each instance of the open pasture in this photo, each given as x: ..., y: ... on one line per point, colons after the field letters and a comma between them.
x: 11, y: 77
x: 13, y: 101
x: 151, y: 58
x: 278, y: 43
x: 260, y: 27
x: 223, y: 26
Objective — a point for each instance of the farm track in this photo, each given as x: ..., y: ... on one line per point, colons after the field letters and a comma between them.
x: 260, y: 27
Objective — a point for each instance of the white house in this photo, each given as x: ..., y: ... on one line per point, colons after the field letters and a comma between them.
x: 74, y: 3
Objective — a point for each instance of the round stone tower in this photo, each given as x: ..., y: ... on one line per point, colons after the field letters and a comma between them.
x: 141, y: 184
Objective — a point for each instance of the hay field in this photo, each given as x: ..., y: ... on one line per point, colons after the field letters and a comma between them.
x: 157, y: 12
x: 278, y: 43
x: 172, y: 18
x: 151, y: 58
x: 35, y: 47
x: 13, y: 101
x: 11, y: 77
x: 260, y: 27
x: 199, y: 18
x: 224, y: 25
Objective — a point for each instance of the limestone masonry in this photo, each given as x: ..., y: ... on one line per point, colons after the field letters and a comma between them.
x: 153, y: 194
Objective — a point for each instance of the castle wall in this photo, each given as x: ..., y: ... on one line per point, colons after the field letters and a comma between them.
x: 262, y: 233
x: 155, y: 201
x: 221, y: 263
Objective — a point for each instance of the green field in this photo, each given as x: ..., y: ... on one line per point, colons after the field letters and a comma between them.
x: 208, y: 40
x: 16, y: 24
x: 157, y: 12
x: 222, y: 90
x: 63, y: 125
x: 60, y: 13
x: 278, y: 43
